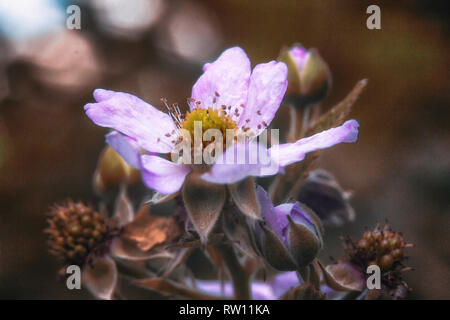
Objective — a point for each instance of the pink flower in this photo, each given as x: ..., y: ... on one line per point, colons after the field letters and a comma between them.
x: 247, y: 100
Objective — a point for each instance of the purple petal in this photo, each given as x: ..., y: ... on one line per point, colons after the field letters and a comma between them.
x: 224, y: 82
x: 282, y: 282
x: 126, y: 147
x: 288, y: 153
x: 215, y: 288
x: 133, y: 117
x: 162, y: 175
x: 260, y: 290
x: 268, y: 84
x: 250, y: 159
x: 299, y: 56
x: 300, y: 216
x: 275, y: 218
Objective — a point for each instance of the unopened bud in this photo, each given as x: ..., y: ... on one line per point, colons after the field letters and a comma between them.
x: 309, y: 77
x: 112, y: 171
x: 322, y: 193
x: 305, y: 235
x: 290, y: 235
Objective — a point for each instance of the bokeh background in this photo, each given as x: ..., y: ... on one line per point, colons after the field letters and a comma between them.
x: 398, y: 169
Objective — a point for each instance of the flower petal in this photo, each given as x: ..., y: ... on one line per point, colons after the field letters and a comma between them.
x: 239, y: 161
x: 288, y: 153
x: 133, y: 117
x: 162, y: 175
x: 283, y: 282
x: 299, y: 55
x: 224, y: 82
x: 260, y: 290
x: 268, y: 84
x: 275, y: 218
x: 126, y: 147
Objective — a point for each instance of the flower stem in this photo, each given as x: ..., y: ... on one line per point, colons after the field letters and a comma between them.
x: 239, y: 277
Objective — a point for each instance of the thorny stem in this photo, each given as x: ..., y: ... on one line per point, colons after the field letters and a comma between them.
x: 239, y: 277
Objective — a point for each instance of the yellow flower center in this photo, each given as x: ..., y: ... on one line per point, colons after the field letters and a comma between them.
x: 209, y: 118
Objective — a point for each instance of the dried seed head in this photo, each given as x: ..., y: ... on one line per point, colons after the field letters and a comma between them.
x: 380, y: 246
x: 77, y: 233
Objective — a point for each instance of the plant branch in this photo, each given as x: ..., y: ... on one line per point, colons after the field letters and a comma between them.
x: 239, y: 277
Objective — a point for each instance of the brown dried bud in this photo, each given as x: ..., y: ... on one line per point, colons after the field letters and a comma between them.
x: 379, y: 246
x: 77, y: 232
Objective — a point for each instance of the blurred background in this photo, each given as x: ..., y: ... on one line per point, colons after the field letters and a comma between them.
x: 398, y: 169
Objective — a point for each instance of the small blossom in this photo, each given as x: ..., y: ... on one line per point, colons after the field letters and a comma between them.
x: 227, y: 96
x: 233, y: 97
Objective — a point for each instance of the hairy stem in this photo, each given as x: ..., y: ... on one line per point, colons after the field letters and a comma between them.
x: 239, y: 277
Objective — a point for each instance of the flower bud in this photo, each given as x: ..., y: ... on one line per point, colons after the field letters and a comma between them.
x: 290, y: 235
x: 309, y: 77
x: 321, y: 192
x: 112, y: 171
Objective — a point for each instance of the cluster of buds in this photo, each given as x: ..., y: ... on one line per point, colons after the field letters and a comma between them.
x: 77, y: 233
